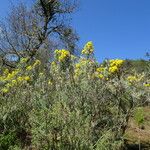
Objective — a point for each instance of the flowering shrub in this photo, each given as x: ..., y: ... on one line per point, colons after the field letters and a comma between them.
x: 76, y: 103
x: 12, y: 79
x: 114, y: 65
x: 88, y: 49
x: 62, y: 55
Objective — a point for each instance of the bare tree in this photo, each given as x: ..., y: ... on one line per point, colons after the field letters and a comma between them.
x: 28, y: 31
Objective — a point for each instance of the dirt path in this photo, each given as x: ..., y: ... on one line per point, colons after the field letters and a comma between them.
x: 139, y: 137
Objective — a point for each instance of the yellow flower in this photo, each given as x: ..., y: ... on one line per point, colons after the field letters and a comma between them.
x: 53, y: 66
x: 56, y: 51
x: 100, y: 76
x: 8, y: 85
x: 6, y: 71
x: 114, y: 65
x: 78, y: 65
x: 14, y: 82
x: 147, y: 85
x: 84, y: 51
x: 53, y: 63
x: 107, y: 79
x: 88, y: 48
x: 77, y: 73
x: 20, y: 79
x: 60, y: 58
x: 29, y: 68
x: 132, y: 79
x: 49, y: 82
x: 24, y: 60
x: 23, y: 78
x: 37, y: 62
x: 113, y: 69
x: 116, y: 62
x: 100, y: 69
x: 41, y: 74
x: 9, y: 76
x: 62, y: 55
x: 5, y: 90
x: 135, y: 78
x: 27, y: 78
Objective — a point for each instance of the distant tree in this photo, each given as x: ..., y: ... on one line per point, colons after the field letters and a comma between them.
x: 37, y: 30
x: 148, y: 55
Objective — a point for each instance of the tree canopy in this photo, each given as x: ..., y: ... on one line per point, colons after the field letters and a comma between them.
x: 36, y: 30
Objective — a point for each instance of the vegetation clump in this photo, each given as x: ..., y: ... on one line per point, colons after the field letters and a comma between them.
x: 75, y: 103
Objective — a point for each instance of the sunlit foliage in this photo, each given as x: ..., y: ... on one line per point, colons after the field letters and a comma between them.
x: 75, y: 103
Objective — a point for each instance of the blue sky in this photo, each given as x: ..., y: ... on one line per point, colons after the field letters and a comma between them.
x: 118, y: 28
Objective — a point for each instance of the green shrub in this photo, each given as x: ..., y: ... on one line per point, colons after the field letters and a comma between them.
x: 75, y: 103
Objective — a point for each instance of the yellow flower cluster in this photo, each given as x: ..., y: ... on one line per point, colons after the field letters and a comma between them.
x: 8, y: 76
x: 62, y: 55
x: 50, y: 82
x: 101, y: 76
x: 100, y: 69
x: 135, y: 78
x: 54, y: 67
x: 23, y: 60
x: 132, y: 79
x: 77, y: 70
x: 99, y: 72
x: 14, y: 82
x: 30, y: 67
x: 88, y: 48
x: 79, y: 67
x: 5, y: 90
x: 114, y: 65
x: 6, y: 71
x: 13, y: 78
x: 147, y: 84
x: 23, y: 78
x: 104, y: 71
x: 82, y: 68
x: 37, y: 62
